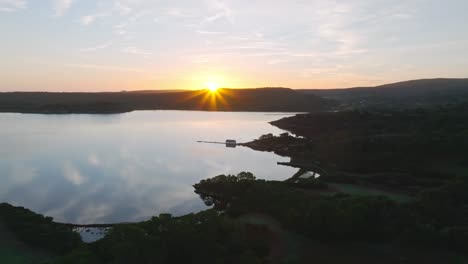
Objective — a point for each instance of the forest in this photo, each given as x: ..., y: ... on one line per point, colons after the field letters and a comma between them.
x: 258, y: 221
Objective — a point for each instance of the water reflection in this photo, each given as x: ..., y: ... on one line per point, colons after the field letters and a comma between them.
x: 113, y: 168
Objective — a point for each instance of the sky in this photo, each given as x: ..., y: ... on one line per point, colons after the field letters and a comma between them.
x: 113, y: 45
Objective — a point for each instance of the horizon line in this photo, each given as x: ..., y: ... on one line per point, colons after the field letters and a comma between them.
x: 232, y: 88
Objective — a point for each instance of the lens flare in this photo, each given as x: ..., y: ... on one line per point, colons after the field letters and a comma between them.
x: 213, y: 87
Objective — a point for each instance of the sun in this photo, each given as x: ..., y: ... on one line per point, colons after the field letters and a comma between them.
x: 213, y: 87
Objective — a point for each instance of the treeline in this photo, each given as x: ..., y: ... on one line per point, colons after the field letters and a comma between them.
x: 37, y: 230
x: 408, y: 149
x: 437, y: 219
x: 263, y: 99
x: 205, y: 237
x: 426, y: 93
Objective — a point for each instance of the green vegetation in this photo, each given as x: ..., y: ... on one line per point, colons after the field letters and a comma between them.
x: 359, y: 190
x: 404, y: 151
x: 438, y: 218
x: 258, y: 221
x: 424, y: 93
x: 205, y: 237
x: 37, y: 230
x: 15, y: 256
x: 13, y: 251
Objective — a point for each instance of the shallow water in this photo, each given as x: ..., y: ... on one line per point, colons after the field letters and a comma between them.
x: 125, y: 167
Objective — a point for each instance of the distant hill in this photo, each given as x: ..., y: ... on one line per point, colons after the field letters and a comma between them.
x: 154, y: 91
x: 261, y: 99
x: 425, y: 93
x: 414, y: 93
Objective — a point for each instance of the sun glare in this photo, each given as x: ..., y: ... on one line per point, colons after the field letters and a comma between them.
x: 213, y: 87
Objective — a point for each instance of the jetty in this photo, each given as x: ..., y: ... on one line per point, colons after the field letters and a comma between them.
x: 229, y: 143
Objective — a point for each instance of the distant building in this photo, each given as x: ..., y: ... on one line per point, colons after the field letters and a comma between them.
x: 231, y: 143
x: 309, y: 174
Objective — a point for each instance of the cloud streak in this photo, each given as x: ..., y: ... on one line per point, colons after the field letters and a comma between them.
x: 96, y: 48
x: 104, y: 67
x: 137, y: 51
x: 222, y: 11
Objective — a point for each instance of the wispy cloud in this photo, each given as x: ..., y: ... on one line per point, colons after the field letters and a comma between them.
x: 62, y: 6
x: 256, y: 37
x: 210, y: 32
x: 222, y: 11
x: 105, y: 67
x: 136, y: 51
x: 122, y: 8
x: 96, y: 48
x: 89, y: 19
x: 309, y: 72
x: 402, y: 16
x: 177, y: 12
x: 332, y: 27
x: 276, y: 61
x: 12, y: 5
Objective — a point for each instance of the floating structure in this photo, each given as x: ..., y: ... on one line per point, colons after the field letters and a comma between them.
x: 229, y: 143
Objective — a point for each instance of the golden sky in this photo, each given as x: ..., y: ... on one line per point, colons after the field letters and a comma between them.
x: 112, y: 45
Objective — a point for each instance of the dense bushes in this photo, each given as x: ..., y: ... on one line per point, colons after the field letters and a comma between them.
x: 205, y: 237
x: 435, y: 220
x: 438, y: 218
x: 37, y: 230
x: 340, y: 217
x: 378, y: 141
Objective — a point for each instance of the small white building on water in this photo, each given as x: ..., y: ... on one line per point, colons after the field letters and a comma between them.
x: 309, y: 174
x: 231, y: 143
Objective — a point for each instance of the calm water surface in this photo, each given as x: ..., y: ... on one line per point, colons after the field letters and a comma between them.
x: 126, y: 167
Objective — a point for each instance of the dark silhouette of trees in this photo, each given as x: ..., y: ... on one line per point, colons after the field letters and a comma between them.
x: 37, y: 230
